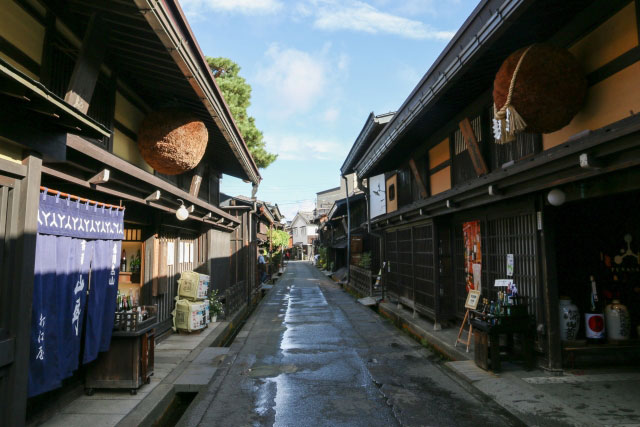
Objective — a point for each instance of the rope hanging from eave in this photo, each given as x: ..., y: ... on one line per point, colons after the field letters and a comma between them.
x: 506, y: 121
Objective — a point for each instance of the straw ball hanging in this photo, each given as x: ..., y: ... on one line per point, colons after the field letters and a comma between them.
x: 539, y: 88
x: 171, y: 141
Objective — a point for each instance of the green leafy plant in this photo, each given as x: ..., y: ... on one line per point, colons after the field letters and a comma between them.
x: 322, y: 260
x: 365, y: 260
x: 215, y: 305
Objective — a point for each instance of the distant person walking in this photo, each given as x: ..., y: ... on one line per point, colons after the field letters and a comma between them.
x: 262, y: 267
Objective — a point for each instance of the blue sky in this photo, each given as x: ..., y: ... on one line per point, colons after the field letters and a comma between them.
x: 317, y: 69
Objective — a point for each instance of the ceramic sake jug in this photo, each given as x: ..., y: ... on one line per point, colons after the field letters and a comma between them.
x: 618, y: 321
x: 569, y: 319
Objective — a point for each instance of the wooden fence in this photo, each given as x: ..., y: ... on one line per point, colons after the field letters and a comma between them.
x: 362, y: 282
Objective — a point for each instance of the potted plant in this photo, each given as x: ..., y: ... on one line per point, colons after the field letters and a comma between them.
x: 215, y: 306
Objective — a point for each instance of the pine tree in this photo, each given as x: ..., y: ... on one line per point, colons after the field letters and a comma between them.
x: 237, y: 94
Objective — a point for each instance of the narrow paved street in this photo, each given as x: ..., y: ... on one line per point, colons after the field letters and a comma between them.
x: 312, y: 356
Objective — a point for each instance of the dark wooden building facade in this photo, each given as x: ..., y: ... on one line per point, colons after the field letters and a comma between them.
x: 440, y: 168
x: 76, y: 80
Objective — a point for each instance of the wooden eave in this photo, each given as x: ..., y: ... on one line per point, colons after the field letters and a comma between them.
x: 615, y: 147
x: 32, y: 95
x: 132, y: 183
x: 372, y: 127
x: 152, y: 49
x: 466, y: 68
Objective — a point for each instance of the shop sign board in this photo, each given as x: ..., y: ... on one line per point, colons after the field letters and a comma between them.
x: 473, y: 297
x: 472, y: 255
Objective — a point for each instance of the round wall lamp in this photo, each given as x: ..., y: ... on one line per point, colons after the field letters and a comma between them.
x: 182, y: 213
x: 556, y: 197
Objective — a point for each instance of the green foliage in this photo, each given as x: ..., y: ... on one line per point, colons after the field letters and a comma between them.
x: 322, y: 260
x: 276, y: 259
x: 215, y: 306
x: 278, y: 238
x: 237, y: 94
x: 365, y: 260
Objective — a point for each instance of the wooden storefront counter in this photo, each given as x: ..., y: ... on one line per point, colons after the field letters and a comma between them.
x: 128, y: 363
x: 487, y: 350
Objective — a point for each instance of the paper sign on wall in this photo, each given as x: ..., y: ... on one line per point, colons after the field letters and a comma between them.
x: 503, y: 283
x: 509, y: 265
x: 190, y: 252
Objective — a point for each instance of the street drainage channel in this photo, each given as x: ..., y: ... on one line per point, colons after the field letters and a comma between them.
x: 177, y: 407
x: 181, y: 400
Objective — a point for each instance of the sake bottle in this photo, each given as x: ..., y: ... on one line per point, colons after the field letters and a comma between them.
x: 123, y: 261
x: 594, y: 315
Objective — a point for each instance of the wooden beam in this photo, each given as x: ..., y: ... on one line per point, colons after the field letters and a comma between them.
x: 87, y: 69
x: 87, y: 148
x: 196, y: 180
x: 101, y: 177
x: 494, y: 191
x: 416, y: 175
x: 472, y: 146
x: 125, y: 196
x: 34, y: 134
x: 155, y: 196
x: 589, y: 162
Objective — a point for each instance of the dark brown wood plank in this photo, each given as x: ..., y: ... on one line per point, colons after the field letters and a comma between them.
x: 473, y: 148
x: 196, y: 180
x: 87, y: 69
x: 24, y: 214
x: 416, y: 175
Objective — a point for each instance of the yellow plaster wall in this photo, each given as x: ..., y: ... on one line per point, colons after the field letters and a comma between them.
x: 439, y: 154
x: 124, y: 147
x: 608, y: 101
x: 127, y: 149
x: 611, y: 39
x: 127, y: 113
x: 19, y: 66
x: 21, y: 30
x: 615, y: 97
x: 440, y: 181
x: 10, y: 152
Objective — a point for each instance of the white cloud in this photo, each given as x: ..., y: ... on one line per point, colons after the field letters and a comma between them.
x: 289, y: 210
x: 359, y: 16
x: 331, y: 114
x: 408, y: 74
x: 301, y: 147
x: 295, y: 80
x: 247, y: 7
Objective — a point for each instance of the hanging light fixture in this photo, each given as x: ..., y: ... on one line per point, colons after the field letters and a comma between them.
x: 182, y: 213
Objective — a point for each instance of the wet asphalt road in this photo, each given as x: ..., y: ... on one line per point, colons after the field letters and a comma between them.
x: 310, y: 355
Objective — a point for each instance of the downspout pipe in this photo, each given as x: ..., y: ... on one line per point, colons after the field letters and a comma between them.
x: 346, y: 183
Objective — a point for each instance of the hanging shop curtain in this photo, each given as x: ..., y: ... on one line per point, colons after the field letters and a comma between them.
x: 75, y: 286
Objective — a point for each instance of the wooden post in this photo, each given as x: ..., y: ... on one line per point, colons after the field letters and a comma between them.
x: 196, y: 180
x: 472, y: 146
x: 87, y: 69
x: 416, y: 175
x: 17, y: 280
x: 550, y: 290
